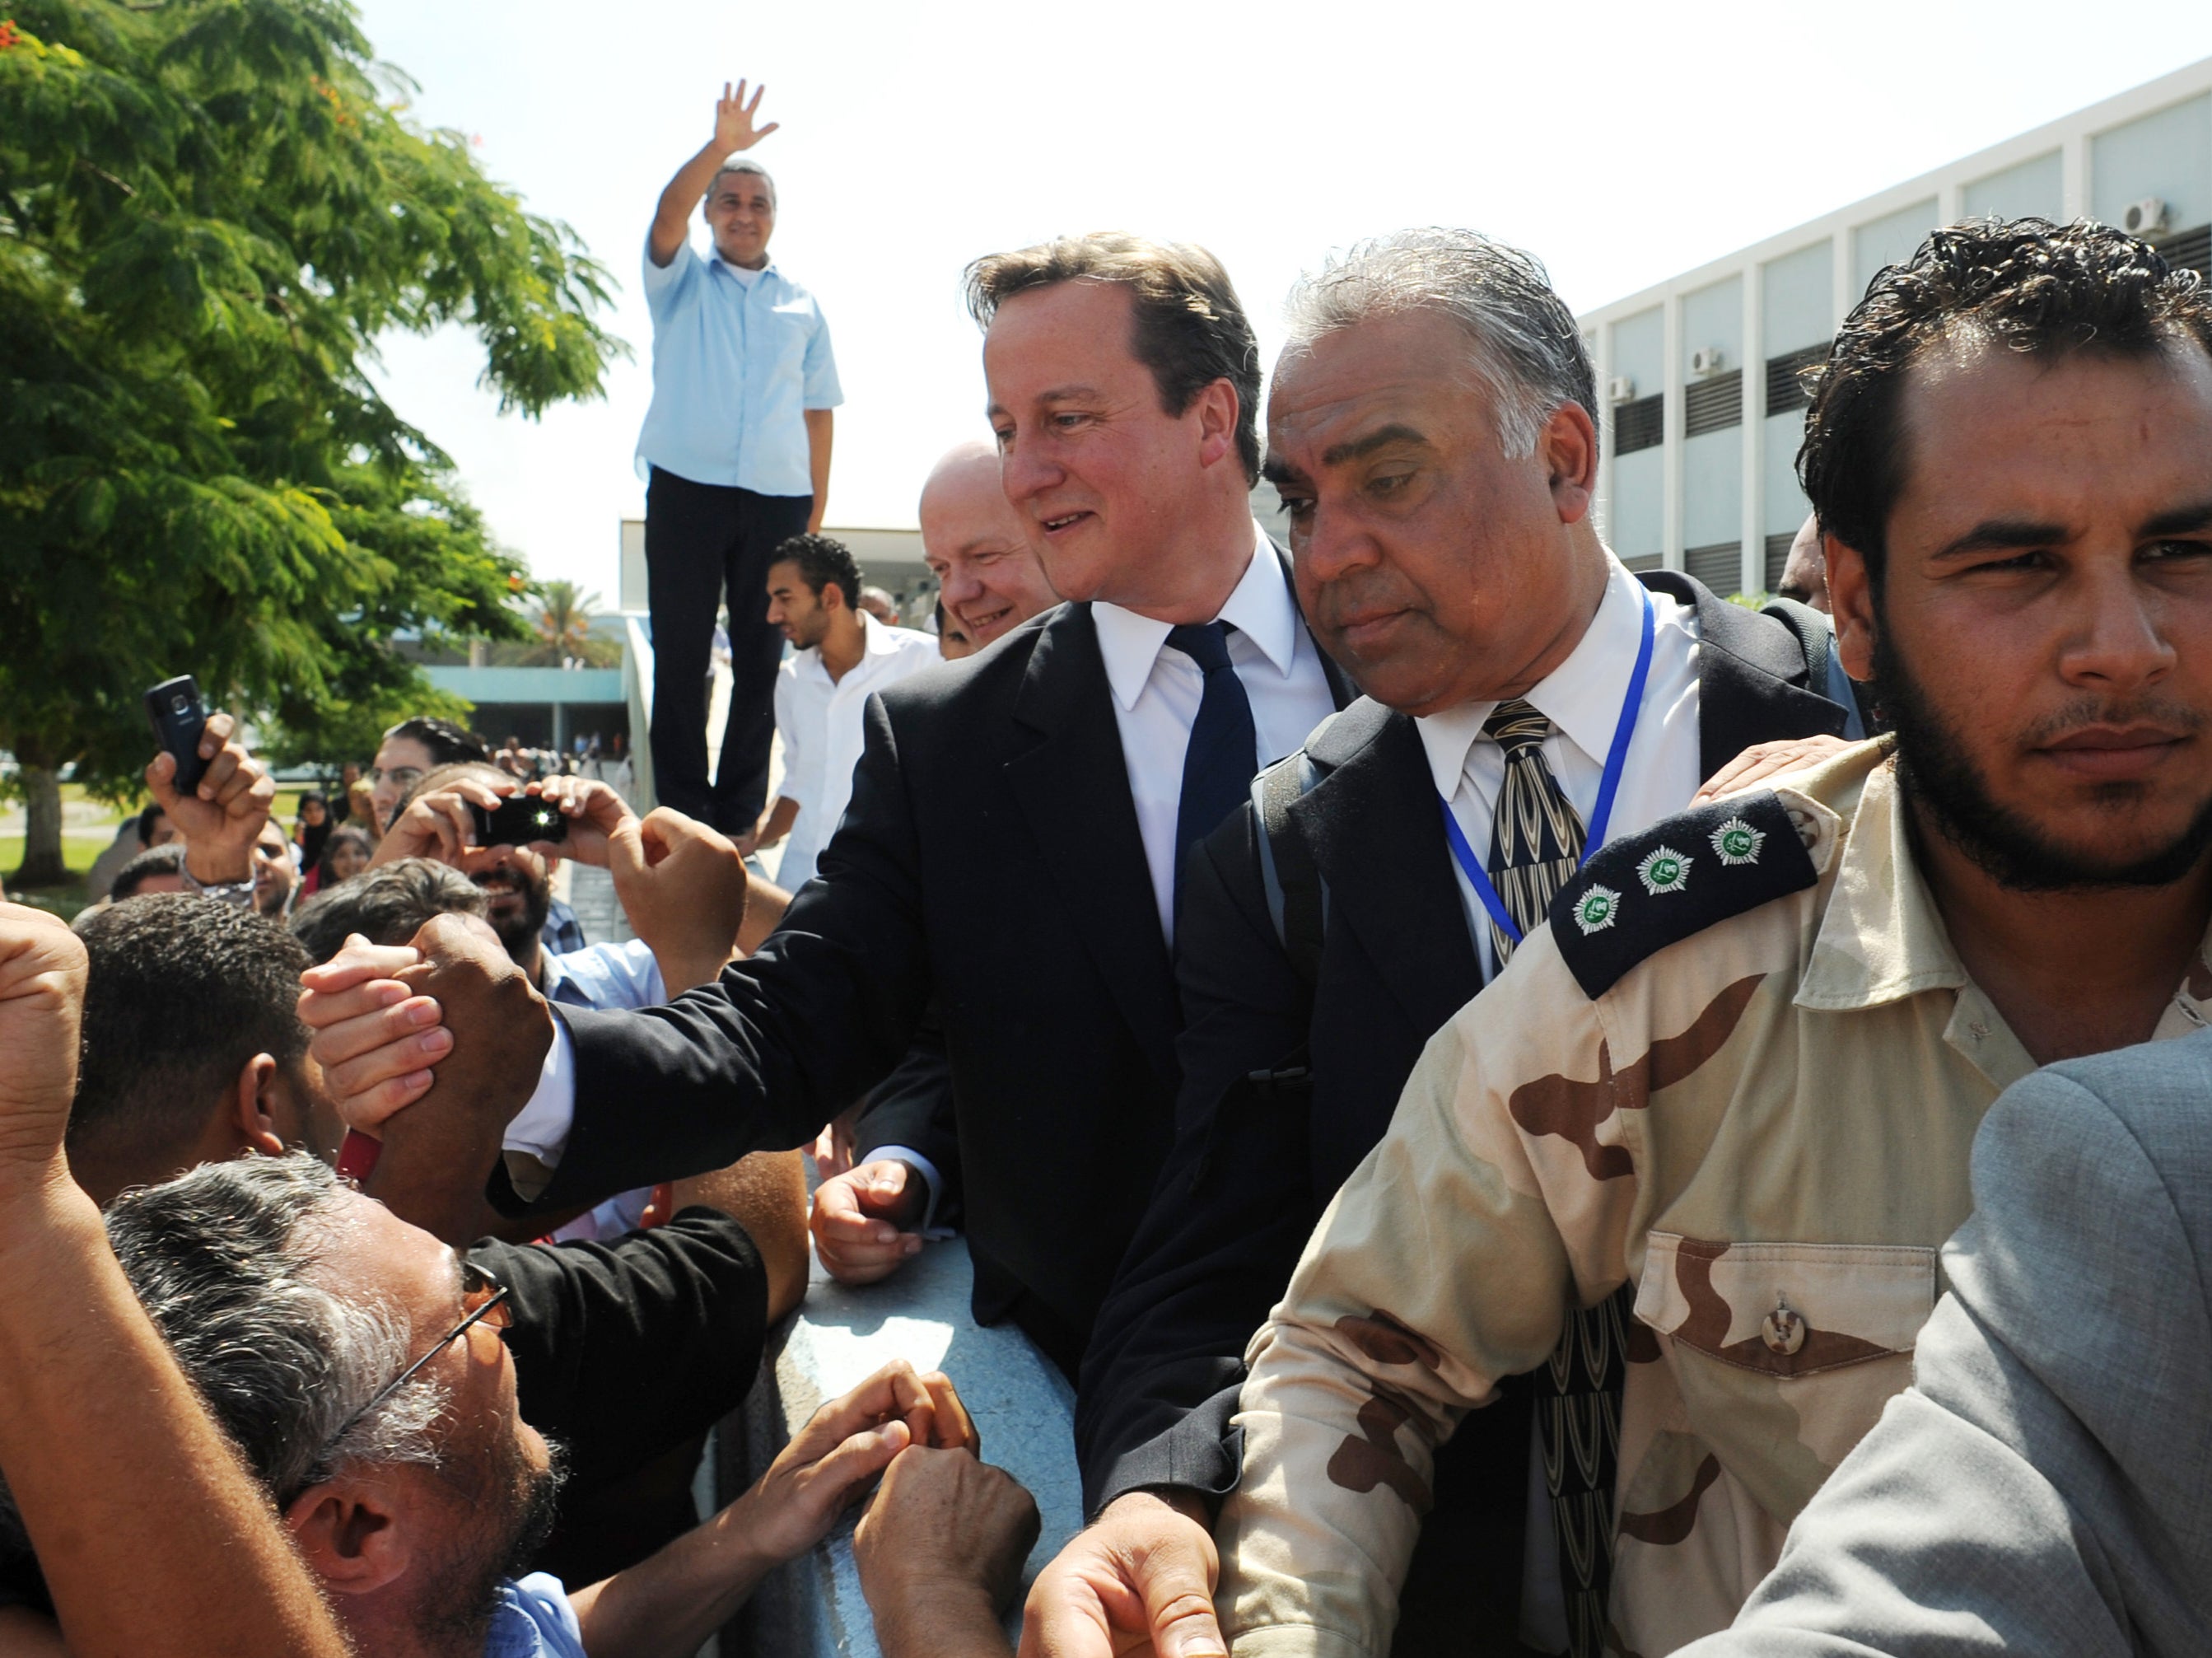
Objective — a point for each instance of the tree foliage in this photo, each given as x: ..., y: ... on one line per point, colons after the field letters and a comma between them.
x: 209, y: 211
x: 563, y: 629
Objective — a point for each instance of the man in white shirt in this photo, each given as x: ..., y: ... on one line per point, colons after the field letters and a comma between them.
x: 1008, y: 851
x: 843, y: 655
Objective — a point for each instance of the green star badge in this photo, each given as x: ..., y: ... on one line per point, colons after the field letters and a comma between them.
x: 1737, y: 842
x: 1665, y: 870
x: 1596, y: 909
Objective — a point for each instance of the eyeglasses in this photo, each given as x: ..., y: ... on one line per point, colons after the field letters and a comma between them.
x: 485, y: 1300
x: 400, y: 777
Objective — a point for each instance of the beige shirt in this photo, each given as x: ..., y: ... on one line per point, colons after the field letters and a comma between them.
x: 1765, y: 1126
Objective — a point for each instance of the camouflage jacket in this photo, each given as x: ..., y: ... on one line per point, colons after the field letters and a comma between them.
x: 1741, y: 1069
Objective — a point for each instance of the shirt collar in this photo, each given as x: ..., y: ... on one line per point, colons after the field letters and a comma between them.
x: 877, y: 639
x: 1882, y: 938
x: 764, y: 273
x: 1582, y: 697
x: 1259, y: 607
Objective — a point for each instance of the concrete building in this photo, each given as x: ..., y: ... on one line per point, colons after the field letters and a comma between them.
x: 1699, y: 375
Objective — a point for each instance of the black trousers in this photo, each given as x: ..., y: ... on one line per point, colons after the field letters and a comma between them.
x: 702, y: 539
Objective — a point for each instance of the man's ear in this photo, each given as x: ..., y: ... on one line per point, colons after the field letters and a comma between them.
x: 353, y: 1531
x: 1568, y: 448
x: 258, y: 1106
x: 1217, y: 407
x: 1850, y: 596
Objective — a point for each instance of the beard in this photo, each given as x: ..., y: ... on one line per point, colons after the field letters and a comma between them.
x: 524, y: 1503
x: 1937, y: 774
x: 517, y: 932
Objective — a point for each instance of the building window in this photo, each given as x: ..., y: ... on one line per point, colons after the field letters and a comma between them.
x: 1778, y: 555
x: 1714, y: 405
x: 1643, y: 562
x: 1720, y: 566
x: 1785, y: 390
x: 1640, y: 423
x: 2189, y: 249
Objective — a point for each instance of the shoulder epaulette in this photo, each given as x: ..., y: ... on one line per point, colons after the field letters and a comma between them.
x: 1642, y: 892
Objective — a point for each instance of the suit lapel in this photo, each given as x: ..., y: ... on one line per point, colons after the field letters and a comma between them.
x: 1376, y: 833
x: 1073, y: 789
x: 1751, y: 677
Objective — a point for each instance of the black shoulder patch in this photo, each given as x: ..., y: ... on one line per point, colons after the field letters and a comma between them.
x: 1644, y: 892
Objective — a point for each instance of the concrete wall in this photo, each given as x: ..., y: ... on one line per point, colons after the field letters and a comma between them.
x: 1889, y: 239
x: 2167, y: 154
x: 2034, y: 188
x: 1712, y: 316
x: 1639, y: 350
x: 1637, y: 523
x: 1798, y: 300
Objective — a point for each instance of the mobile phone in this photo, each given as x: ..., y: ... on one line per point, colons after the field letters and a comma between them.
x: 179, y: 719
x: 518, y: 820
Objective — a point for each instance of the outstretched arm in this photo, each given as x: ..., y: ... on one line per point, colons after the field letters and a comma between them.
x: 95, y: 1413
x: 733, y: 130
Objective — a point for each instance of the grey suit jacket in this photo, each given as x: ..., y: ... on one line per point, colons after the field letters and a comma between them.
x: 2045, y: 1486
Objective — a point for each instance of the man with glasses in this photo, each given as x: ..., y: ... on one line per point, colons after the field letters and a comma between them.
x: 357, y: 1363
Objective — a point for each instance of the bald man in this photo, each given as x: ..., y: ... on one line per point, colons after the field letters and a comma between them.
x: 1805, y: 572
x: 973, y: 543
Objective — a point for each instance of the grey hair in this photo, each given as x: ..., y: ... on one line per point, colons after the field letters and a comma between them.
x: 1526, y: 349
x: 743, y: 164
x: 224, y: 1259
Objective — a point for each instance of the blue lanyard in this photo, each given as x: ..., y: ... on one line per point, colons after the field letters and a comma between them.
x: 1616, y: 760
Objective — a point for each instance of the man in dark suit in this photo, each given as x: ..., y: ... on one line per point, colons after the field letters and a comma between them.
x: 1432, y: 431
x: 1011, y: 845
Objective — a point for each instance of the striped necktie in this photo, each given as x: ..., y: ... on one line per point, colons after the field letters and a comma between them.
x: 1535, y: 846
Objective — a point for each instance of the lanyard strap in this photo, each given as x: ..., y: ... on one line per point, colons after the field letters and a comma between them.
x: 1616, y: 761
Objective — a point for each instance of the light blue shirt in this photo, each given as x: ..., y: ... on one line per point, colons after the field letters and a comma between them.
x: 534, y: 1621
x: 738, y: 358
x: 621, y: 975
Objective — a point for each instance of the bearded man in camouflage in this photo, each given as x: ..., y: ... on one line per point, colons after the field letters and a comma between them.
x: 1742, y: 1068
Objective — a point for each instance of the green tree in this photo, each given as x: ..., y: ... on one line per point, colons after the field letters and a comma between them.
x: 209, y: 211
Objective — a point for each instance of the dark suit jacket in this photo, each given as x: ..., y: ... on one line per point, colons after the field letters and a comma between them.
x: 1255, y: 1162
x: 990, y: 858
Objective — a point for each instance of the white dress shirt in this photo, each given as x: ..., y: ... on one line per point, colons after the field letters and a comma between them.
x: 1663, y: 769
x: 820, y: 721
x: 1156, y: 690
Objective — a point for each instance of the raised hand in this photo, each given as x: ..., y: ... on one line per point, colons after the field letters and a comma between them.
x: 733, y: 119
x: 221, y: 818
x: 684, y: 888
x: 41, y: 1003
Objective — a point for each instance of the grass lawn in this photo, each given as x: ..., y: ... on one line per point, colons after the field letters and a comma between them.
x: 88, y: 827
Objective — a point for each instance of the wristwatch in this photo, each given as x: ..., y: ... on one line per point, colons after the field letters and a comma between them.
x: 223, y: 892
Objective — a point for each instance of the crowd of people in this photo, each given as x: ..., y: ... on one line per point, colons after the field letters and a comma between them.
x: 1537, y: 1109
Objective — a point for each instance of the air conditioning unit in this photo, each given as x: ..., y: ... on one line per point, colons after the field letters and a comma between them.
x: 1622, y: 388
x: 2144, y: 218
x: 1707, y: 361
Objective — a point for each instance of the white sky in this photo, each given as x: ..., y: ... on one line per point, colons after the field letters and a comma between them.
x: 1621, y: 142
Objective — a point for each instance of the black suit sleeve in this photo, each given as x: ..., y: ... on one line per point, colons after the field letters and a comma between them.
x: 623, y: 1351
x: 783, y: 1040
x: 1232, y: 1208
x: 913, y: 1108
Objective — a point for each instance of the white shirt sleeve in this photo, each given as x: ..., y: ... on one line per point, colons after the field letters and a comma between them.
x: 540, y: 1129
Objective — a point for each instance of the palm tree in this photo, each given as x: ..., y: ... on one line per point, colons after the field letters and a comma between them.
x: 564, y: 627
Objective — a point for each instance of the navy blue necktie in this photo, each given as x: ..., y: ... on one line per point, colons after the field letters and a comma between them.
x: 1224, y: 752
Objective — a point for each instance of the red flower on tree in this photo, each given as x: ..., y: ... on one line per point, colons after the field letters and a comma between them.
x: 9, y: 34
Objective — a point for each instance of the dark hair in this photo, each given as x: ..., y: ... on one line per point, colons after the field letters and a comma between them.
x: 447, y: 742
x: 2023, y: 285
x: 341, y: 834
x: 152, y: 815
x: 1190, y: 328
x: 180, y: 993
x: 154, y: 860
x: 385, y: 905
x: 823, y: 559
